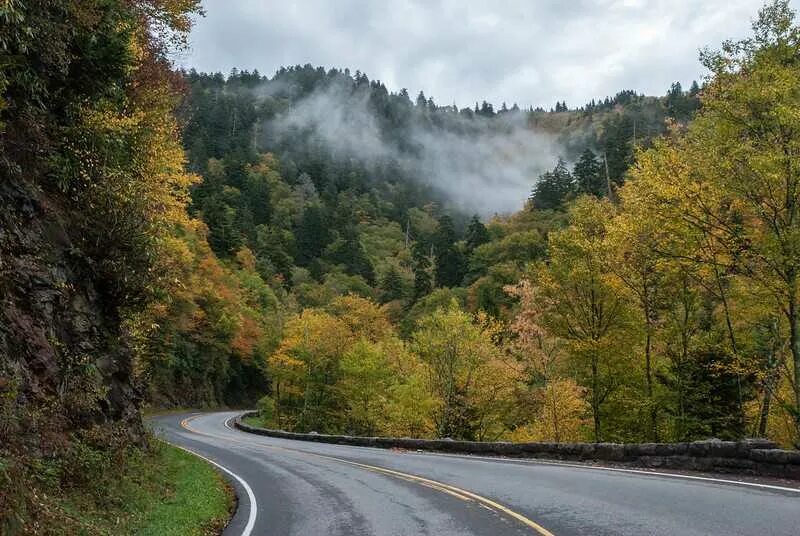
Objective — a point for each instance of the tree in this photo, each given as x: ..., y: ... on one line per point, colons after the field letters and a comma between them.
x: 450, y: 265
x: 459, y: 353
x: 364, y: 387
x: 554, y: 406
x: 584, y: 306
x: 712, y: 393
x: 617, y: 143
x: 349, y: 252
x: 362, y: 316
x: 559, y: 416
x: 477, y: 234
x: 422, y: 277
x: 306, y: 368
x: 677, y: 103
x: 733, y: 176
x: 635, y: 244
x: 392, y: 287
x: 271, y: 249
x: 312, y: 235
x: 552, y: 188
x: 589, y: 176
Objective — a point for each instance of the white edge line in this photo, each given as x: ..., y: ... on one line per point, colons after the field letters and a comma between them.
x: 537, y: 461
x: 251, y: 520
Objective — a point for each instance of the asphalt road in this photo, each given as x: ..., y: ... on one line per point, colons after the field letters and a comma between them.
x: 298, y: 488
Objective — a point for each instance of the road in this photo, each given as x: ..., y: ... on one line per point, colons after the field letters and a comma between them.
x: 288, y: 487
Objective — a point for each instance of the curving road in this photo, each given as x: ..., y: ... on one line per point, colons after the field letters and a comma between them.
x: 298, y: 488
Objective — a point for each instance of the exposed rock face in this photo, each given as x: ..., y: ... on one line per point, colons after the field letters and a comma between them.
x: 60, y: 343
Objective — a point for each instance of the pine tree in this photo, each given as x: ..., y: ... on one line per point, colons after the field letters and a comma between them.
x: 349, y: 252
x: 477, y: 234
x: 553, y: 188
x: 422, y: 277
x: 588, y: 175
x: 391, y: 285
x: 678, y: 104
x: 312, y: 235
x: 450, y: 266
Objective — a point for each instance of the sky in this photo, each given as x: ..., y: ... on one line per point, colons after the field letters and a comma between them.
x: 532, y: 52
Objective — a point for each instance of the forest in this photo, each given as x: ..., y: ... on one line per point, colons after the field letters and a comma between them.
x: 644, y: 290
x: 354, y: 260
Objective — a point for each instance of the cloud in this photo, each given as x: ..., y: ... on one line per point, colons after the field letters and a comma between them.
x: 483, y: 166
x: 530, y: 52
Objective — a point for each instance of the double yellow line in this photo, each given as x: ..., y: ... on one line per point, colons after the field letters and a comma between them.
x: 454, y: 491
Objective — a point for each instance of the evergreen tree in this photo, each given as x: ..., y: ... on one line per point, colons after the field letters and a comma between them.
x: 349, y: 252
x: 712, y: 395
x: 312, y: 235
x: 223, y: 235
x: 553, y: 188
x: 678, y: 103
x: 589, y: 176
x: 256, y: 194
x: 271, y: 253
x: 450, y: 265
x: 391, y: 285
x: 422, y: 277
x: 477, y: 234
x: 617, y: 144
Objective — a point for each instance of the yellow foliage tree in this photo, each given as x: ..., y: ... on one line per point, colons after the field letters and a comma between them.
x: 561, y: 415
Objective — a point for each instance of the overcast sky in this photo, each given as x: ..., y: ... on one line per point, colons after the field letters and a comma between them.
x: 533, y: 52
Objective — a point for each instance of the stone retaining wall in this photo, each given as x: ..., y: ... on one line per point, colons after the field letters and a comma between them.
x: 750, y: 456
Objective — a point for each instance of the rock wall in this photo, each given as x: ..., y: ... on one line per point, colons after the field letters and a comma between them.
x: 749, y: 456
x: 61, y: 353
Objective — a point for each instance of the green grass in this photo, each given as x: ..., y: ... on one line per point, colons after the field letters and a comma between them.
x: 194, y: 500
x: 166, y: 492
x: 253, y: 420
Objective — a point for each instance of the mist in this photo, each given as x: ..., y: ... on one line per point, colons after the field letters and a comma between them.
x: 485, y: 165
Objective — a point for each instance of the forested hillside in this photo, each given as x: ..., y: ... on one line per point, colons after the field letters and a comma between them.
x: 616, y: 303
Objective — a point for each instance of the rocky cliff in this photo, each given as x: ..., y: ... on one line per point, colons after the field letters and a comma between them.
x: 63, y: 362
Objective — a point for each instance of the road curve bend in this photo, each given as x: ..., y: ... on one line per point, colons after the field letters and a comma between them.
x: 297, y: 488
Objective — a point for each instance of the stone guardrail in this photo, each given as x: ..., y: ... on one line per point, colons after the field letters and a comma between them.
x: 749, y: 456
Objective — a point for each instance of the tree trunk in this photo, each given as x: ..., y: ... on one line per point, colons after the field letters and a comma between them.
x: 764, y: 416
x: 595, y: 401
x: 794, y: 339
x: 649, y: 377
x: 554, y: 409
x: 734, y: 345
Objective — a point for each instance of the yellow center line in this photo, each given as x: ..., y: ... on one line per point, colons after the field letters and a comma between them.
x: 457, y: 492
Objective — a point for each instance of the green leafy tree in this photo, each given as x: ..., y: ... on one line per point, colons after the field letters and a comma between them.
x: 732, y: 179
x: 459, y: 353
x: 585, y: 306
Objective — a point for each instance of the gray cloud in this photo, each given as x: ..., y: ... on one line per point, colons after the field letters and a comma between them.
x: 531, y: 52
x: 480, y: 165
